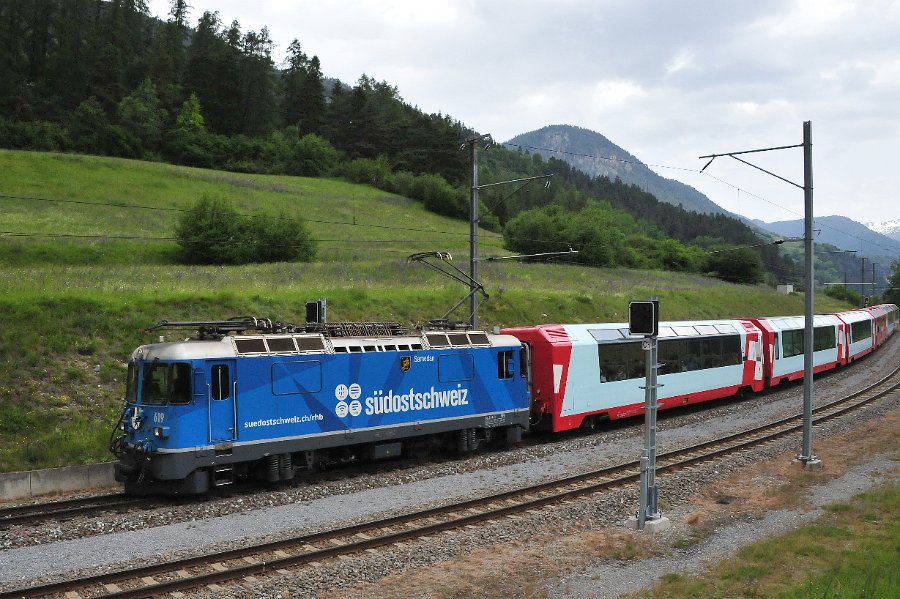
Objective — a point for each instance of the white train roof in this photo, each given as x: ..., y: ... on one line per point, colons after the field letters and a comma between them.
x: 611, y: 332
x: 793, y: 323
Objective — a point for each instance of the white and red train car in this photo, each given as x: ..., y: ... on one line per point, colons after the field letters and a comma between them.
x: 783, y: 339
x: 589, y: 372
x: 884, y: 321
x: 860, y: 333
x: 584, y: 373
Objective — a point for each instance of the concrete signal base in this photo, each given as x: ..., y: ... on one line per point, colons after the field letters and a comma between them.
x: 653, y: 526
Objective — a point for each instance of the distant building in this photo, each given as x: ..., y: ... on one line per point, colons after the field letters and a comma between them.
x: 786, y: 289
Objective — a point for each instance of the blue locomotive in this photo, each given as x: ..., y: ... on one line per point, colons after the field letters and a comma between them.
x: 251, y: 398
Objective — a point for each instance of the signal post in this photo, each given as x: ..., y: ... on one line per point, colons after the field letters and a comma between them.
x: 644, y: 320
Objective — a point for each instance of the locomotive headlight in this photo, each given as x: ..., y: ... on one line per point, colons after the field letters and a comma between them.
x: 161, y: 432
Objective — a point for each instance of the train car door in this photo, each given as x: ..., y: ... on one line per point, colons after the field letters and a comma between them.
x: 222, y: 401
x: 755, y: 353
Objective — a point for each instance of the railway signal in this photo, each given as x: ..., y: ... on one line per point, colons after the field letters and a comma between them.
x: 643, y: 319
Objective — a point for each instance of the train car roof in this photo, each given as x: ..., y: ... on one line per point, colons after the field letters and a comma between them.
x: 854, y: 315
x: 188, y: 349
x: 794, y: 323
x: 298, y: 344
x: 619, y: 331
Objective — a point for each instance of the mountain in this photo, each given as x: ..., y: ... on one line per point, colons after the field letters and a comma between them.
x: 841, y: 232
x: 593, y: 154
x: 890, y: 228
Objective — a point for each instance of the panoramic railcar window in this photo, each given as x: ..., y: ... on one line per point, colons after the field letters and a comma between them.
x: 712, y: 352
x: 670, y: 356
x: 823, y: 338
x: 221, y: 382
x: 860, y: 330
x: 731, y: 350
x: 693, y: 355
x: 791, y: 343
x: 166, y: 383
x: 606, y: 334
x: 620, y: 361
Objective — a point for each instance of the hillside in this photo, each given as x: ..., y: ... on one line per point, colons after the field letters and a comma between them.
x: 74, y: 306
x: 595, y: 155
x: 843, y: 233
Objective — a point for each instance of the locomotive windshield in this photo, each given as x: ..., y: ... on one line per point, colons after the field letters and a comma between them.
x: 131, y: 383
x: 166, y: 383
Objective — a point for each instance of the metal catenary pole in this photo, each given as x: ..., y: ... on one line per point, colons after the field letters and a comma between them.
x: 473, y: 234
x: 806, y: 456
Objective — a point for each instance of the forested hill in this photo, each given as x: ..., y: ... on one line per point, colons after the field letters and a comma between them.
x: 595, y: 155
x: 104, y: 77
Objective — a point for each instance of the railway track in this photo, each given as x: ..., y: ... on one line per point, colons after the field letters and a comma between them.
x: 37, y: 512
x: 258, y: 560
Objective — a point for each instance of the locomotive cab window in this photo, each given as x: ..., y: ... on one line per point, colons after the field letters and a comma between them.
x: 166, y: 383
x: 131, y: 383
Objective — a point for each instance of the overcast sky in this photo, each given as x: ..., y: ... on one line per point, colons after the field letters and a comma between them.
x: 666, y: 81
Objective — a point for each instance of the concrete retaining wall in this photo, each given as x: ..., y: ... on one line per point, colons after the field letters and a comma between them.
x: 21, y: 485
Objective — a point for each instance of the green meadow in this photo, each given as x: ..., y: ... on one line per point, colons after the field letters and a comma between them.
x: 87, y: 259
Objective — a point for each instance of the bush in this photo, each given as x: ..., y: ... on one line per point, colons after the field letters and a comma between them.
x: 362, y: 170
x: 736, y: 265
x: 213, y: 232
x: 92, y: 133
x: 307, y: 156
x: 33, y: 135
x: 840, y: 292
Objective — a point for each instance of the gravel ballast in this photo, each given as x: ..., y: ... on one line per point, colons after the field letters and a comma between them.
x: 607, y: 581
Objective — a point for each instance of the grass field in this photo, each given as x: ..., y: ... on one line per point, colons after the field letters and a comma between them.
x: 73, y: 307
x: 850, y: 553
